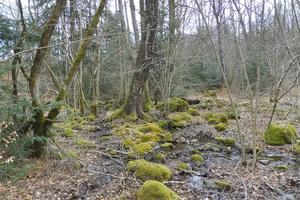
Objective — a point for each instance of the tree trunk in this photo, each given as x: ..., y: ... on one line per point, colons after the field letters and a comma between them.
x: 149, y: 19
x: 39, y: 119
x: 134, y: 23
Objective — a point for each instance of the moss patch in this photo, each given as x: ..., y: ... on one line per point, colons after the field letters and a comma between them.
x: 179, y: 120
x: 160, y: 156
x: 197, y: 158
x: 68, y: 132
x: 220, y: 127
x: 193, y: 112
x: 227, y: 141
x: 222, y: 185
x: 278, y: 134
x: 215, y: 118
x: 149, y: 171
x: 282, y: 167
x: 149, y: 127
x: 183, y: 166
x: 142, y: 148
x: 154, y: 190
x: 178, y: 105
x: 167, y: 145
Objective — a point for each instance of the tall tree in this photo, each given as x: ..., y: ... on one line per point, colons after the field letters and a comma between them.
x: 145, y: 58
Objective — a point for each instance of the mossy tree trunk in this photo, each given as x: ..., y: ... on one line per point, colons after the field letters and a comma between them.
x: 76, y: 62
x: 35, y: 71
x: 42, y: 123
x: 145, y: 57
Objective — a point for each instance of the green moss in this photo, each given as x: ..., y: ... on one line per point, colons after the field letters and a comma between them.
x: 197, y: 158
x: 227, y: 141
x: 282, y: 167
x: 154, y: 190
x: 83, y: 143
x: 69, y: 154
x: 230, y: 113
x: 149, y: 171
x: 91, y: 117
x: 222, y: 185
x: 183, y: 166
x: 278, y: 134
x: 167, y: 137
x: 220, y: 127
x: 160, y: 156
x: 119, y: 113
x: 142, y: 148
x: 68, y: 132
x: 179, y: 120
x: 150, y: 137
x: 149, y: 127
x: 193, y: 112
x: 296, y: 147
x: 167, y: 145
x: 178, y: 105
x: 181, y: 116
x: 215, y: 118
x: 196, y: 151
x: 163, y: 124
x: 128, y: 143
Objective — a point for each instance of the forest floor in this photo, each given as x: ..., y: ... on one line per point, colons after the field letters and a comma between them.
x: 95, y: 168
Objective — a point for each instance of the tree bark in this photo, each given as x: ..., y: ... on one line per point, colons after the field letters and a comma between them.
x: 39, y: 119
x: 134, y: 23
x: 145, y: 57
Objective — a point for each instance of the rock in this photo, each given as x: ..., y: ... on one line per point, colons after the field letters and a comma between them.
x: 196, y: 182
x: 265, y: 162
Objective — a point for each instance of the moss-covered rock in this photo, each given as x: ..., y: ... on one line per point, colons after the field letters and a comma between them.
x: 278, y: 134
x: 142, y: 148
x: 227, y: 141
x: 154, y: 190
x: 128, y: 143
x: 178, y: 105
x: 150, y: 137
x: 222, y: 185
x: 215, y: 118
x: 68, y: 132
x: 179, y: 120
x: 163, y: 124
x: 149, y: 127
x: 282, y: 167
x: 160, y: 156
x: 167, y: 145
x: 220, y: 127
x: 149, y: 171
x: 197, y: 158
x: 183, y: 166
x: 193, y: 112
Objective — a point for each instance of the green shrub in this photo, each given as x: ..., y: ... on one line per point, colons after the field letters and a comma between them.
x: 227, y: 141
